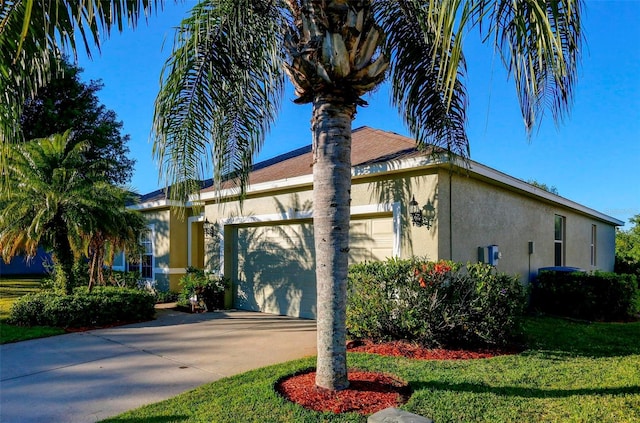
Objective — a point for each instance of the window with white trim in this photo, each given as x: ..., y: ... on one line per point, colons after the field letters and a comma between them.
x: 144, y: 264
x: 559, y: 240
x: 594, y: 231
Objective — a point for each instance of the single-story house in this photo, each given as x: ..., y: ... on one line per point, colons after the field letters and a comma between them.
x: 465, y: 212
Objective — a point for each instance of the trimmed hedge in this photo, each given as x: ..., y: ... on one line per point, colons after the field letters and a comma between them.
x: 602, y: 296
x: 443, y: 304
x: 103, y: 306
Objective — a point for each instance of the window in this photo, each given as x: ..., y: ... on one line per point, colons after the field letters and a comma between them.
x: 593, y: 244
x: 144, y: 263
x: 559, y: 247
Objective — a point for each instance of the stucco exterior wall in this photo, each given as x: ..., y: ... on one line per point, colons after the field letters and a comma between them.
x: 179, y: 243
x: 578, y: 247
x: 171, y: 240
x: 401, y: 188
x: 197, y: 245
x: 472, y: 211
x: 366, y: 191
x: 484, y: 214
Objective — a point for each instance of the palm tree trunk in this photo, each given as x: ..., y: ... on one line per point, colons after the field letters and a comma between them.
x: 101, y: 267
x: 63, y: 256
x: 92, y: 269
x: 331, y: 127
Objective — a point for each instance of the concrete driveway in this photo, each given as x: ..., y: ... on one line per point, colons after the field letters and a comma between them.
x: 89, y: 376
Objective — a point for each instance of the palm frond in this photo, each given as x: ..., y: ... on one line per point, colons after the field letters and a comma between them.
x: 540, y: 44
x: 221, y: 91
x: 431, y: 101
x: 34, y: 34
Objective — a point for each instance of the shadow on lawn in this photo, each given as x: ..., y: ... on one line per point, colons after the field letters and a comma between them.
x: 514, y: 391
x: 561, y: 337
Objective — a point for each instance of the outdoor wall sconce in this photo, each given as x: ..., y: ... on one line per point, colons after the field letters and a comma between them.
x: 421, y: 216
x: 209, y: 228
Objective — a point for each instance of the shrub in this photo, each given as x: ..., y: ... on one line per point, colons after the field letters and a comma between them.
x: 434, y: 303
x: 592, y: 296
x: 129, y: 279
x: 210, y: 287
x: 166, y: 297
x: 103, y: 306
x: 59, y: 282
x: 627, y: 266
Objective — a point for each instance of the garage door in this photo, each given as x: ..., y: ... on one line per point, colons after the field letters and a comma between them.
x: 276, y: 264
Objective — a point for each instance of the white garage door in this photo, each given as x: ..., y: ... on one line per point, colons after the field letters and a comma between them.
x: 276, y: 264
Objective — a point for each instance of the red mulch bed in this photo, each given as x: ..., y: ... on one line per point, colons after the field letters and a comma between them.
x: 369, y: 392
x: 409, y: 350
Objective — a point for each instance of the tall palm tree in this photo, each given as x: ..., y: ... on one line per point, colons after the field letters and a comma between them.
x: 47, y: 202
x: 223, y: 85
x: 224, y: 82
x: 55, y: 200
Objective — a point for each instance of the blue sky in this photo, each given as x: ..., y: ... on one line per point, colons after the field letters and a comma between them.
x: 592, y: 157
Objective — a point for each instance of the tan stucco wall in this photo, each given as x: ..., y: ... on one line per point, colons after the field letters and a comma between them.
x: 578, y: 231
x: 400, y: 188
x: 174, y: 282
x: 396, y: 188
x: 483, y: 214
x: 178, y: 250
x: 479, y: 211
x: 197, y: 245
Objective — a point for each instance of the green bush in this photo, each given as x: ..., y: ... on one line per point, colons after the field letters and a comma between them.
x: 129, y: 279
x: 166, y: 297
x: 103, y: 306
x: 209, y: 286
x: 602, y: 296
x: 58, y: 281
x: 435, y: 304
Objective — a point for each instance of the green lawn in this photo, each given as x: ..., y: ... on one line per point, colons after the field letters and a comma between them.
x: 573, y: 372
x: 10, y: 290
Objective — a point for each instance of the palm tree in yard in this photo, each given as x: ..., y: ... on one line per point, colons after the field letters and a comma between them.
x: 55, y: 200
x: 224, y: 81
x: 47, y: 201
x: 112, y: 228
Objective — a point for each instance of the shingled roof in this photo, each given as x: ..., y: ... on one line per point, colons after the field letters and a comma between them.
x: 368, y: 146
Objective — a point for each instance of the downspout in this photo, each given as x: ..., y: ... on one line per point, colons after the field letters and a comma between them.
x: 450, y: 214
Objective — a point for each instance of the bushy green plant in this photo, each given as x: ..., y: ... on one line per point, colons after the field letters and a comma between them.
x: 166, y: 297
x: 122, y: 279
x: 434, y: 303
x: 58, y: 280
x: 210, y: 287
x: 102, y: 306
x: 604, y: 296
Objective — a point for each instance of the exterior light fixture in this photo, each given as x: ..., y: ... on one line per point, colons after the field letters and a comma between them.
x: 421, y: 216
x: 209, y: 228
